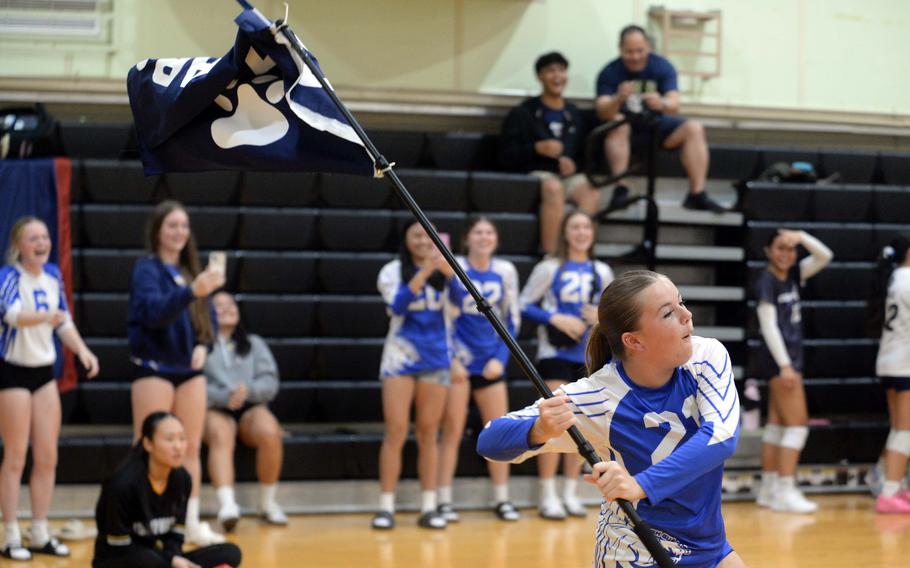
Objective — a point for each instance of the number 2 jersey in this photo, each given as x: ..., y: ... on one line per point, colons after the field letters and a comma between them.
x: 418, y: 338
x: 475, y: 340
x: 31, y: 346
x: 562, y: 287
x: 894, y: 350
x: 673, y: 439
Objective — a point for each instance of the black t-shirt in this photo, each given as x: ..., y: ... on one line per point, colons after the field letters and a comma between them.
x: 131, y: 514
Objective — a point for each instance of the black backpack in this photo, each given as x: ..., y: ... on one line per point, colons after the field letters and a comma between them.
x: 28, y: 133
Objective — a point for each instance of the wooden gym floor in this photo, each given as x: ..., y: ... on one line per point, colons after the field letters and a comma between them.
x: 845, y: 533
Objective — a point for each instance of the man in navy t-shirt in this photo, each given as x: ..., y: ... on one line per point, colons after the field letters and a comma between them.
x: 640, y: 81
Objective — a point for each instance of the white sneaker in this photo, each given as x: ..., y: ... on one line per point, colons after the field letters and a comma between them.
x: 574, y: 507
x: 552, y: 509
x: 765, y: 497
x: 203, y: 535
x: 793, y: 501
x: 273, y: 515
x: 228, y: 516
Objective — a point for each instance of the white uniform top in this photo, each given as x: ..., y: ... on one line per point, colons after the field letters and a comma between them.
x: 31, y: 346
x: 894, y: 351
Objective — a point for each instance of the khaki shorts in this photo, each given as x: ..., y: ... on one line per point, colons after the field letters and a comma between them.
x: 571, y: 183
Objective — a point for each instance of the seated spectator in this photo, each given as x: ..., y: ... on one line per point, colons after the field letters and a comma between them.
x: 545, y: 136
x: 640, y: 81
x: 142, y: 508
x: 242, y: 378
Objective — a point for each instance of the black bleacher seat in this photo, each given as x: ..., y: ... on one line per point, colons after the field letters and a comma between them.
x: 853, y: 241
x: 104, y: 270
x: 116, y: 181
x: 352, y: 316
x: 295, y: 357
x: 348, y: 359
x: 278, y: 315
x: 851, y: 396
x: 734, y: 162
x: 405, y: 149
x: 465, y: 151
x: 350, y: 192
x: 350, y: 273
x: 276, y: 272
x: 437, y: 190
x: 102, y: 141
x: 842, y: 281
x: 113, y: 358
x: 106, y: 402
x: 840, y: 357
x: 350, y: 230
x: 278, y: 228
x: 124, y: 225
x: 790, y: 155
x: 101, y: 314
x: 498, y: 192
x: 280, y: 189
x: 295, y: 402
x: 842, y: 202
x: 891, y: 204
x: 75, y: 227
x: 348, y: 401
x: 834, y: 319
x: 895, y: 168
x: 83, y: 460
x: 668, y: 164
x: 779, y: 201
x: 205, y: 188
x: 884, y: 233
x: 853, y: 167
x: 445, y: 222
x: 517, y: 232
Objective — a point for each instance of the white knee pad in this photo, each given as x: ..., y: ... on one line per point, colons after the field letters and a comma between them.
x: 773, y: 434
x: 794, y: 437
x: 899, y: 441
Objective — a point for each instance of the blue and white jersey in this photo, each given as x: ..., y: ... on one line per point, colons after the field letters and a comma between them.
x: 556, y: 287
x: 418, y: 338
x: 475, y: 340
x: 31, y: 346
x: 673, y: 439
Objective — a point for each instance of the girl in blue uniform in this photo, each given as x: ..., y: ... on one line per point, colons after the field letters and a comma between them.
x: 561, y: 297
x: 32, y: 308
x: 480, y: 359
x: 414, y: 368
x: 170, y: 329
x: 780, y: 361
x: 660, y: 405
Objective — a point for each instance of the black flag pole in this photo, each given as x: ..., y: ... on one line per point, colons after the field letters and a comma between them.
x: 641, y: 528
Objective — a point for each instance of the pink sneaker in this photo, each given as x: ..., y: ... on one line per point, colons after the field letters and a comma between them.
x: 892, y: 505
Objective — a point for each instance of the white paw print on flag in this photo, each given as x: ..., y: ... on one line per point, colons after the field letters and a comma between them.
x: 254, y: 120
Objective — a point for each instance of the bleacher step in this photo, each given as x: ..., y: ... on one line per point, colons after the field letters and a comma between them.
x: 676, y: 252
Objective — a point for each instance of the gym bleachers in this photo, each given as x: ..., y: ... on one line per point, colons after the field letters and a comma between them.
x: 304, y: 251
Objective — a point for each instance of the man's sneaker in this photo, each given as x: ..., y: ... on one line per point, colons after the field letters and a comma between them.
x: 506, y: 511
x: 383, y: 521
x: 620, y: 199
x: 228, y: 515
x: 792, y: 501
x: 203, y: 535
x: 892, y: 505
x: 575, y: 508
x: 701, y: 202
x: 552, y: 509
x: 765, y: 497
x: 273, y: 515
x: 431, y: 520
x: 448, y: 513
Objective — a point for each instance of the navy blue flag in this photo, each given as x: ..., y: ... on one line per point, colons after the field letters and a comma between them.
x: 257, y: 108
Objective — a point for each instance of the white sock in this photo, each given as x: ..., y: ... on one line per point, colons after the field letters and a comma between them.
x: 387, y: 502
x: 768, y: 479
x: 427, y: 501
x: 192, y: 513
x: 445, y: 495
x: 890, y: 488
x: 225, y: 495
x: 40, y: 534
x: 569, y: 489
x: 548, y: 489
x: 267, y: 495
x: 13, y: 536
x: 501, y: 493
x: 786, y: 483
